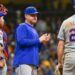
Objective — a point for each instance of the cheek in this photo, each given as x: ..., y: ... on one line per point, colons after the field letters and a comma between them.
x: 31, y: 18
x: 34, y: 19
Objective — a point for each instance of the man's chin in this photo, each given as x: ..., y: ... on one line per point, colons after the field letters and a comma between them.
x: 34, y: 22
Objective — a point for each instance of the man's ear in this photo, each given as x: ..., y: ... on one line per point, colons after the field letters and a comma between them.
x: 25, y: 16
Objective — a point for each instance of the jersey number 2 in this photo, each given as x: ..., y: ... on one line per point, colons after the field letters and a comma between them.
x: 72, y: 35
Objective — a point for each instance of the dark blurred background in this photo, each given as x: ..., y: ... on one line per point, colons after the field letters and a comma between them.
x: 52, y: 13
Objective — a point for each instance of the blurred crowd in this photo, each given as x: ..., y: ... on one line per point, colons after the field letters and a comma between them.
x: 48, y: 22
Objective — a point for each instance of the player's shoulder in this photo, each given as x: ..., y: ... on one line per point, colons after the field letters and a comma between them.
x: 68, y: 20
x: 21, y: 25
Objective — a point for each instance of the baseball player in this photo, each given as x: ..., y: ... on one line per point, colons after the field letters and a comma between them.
x: 3, y: 42
x: 26, y: 57
x: 66, y: 46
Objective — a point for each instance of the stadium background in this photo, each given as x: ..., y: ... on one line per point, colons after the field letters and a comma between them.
x: 52, y: 13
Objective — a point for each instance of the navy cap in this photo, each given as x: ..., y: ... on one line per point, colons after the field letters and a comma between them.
x: 73, y: 2
x: 2, y: 14
x: 31, y: 10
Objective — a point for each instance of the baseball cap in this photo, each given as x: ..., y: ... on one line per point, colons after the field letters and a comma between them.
x: 74, y: 3
x: 31, y: 10
x: 2, y: 14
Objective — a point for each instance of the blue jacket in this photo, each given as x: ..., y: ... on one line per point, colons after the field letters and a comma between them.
x: 27, y: 46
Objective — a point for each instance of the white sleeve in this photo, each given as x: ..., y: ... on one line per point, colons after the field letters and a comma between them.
x: 61, y: 32
x: 1, y: 38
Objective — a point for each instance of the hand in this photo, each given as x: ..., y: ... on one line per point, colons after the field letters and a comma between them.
x: 60, y: 65
x: 48, y: 37
x: 44, y: 38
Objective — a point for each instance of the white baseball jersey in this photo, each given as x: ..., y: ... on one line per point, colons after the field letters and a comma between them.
x: 1, y: 37
x: 67, y: 34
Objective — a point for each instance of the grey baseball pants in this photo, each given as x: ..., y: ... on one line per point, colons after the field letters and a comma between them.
x: 26, y: 70
x: 69, y: 64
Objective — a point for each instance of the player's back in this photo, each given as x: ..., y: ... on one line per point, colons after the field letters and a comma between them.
x: 67, y: 33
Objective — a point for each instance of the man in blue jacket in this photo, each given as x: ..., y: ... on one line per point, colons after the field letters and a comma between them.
x: 26, y: 57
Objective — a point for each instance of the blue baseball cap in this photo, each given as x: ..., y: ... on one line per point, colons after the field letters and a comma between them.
x: 31, y: 10
x: 2, y: 14
x: 73, y: 2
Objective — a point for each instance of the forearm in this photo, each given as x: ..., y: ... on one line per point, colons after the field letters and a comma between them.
x: 28, y: 42
x: 60, y: 55
x: 60, y: 51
